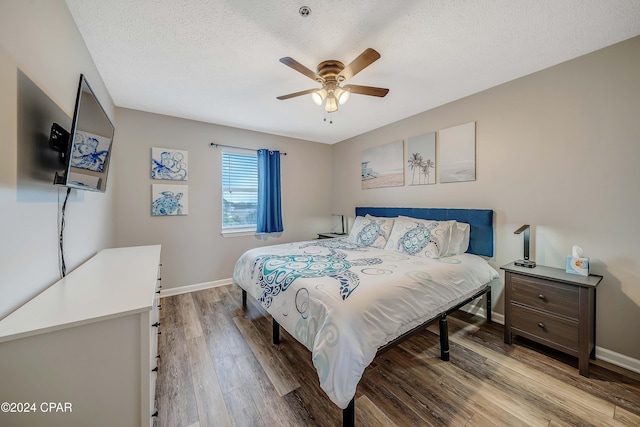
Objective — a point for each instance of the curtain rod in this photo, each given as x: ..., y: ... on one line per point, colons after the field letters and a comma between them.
x: 213, y: 144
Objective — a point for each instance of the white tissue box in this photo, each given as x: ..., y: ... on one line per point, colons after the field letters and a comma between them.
x: 579, y: 266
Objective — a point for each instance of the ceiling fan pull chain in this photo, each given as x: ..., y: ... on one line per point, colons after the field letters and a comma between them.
x: 330, y: 118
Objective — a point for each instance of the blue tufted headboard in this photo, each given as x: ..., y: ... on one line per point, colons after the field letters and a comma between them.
x: 480, y: 220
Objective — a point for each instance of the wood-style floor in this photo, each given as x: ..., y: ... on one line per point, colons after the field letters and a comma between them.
x: 219, y: 368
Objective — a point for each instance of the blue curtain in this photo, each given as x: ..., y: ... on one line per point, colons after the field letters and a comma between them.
x: 269, y: 205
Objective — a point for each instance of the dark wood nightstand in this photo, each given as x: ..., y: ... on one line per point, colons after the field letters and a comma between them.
x: 330, y: 235
x: 551, y: 307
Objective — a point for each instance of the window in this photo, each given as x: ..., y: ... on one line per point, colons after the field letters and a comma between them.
x: 239, y: 192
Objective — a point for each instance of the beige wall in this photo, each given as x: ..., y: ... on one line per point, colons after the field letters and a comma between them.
x: 39, y: 40
x: 558, y: 149
x: 193, y: 250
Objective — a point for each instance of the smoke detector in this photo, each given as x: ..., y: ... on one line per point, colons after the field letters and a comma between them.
x: 304, y: 11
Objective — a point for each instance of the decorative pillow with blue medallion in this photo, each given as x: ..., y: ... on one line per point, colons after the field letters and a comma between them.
x: 419, y: 237
x: 371, y: 231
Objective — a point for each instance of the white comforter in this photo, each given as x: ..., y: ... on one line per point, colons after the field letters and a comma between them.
x: 344, y: 301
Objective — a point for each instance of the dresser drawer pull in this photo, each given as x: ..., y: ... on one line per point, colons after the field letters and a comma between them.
x: 157, y: 292
x: 155, y: 369
x: 155, y: 325
x: 542, y: 297
x: 541, y: 325
x: 155, y: 414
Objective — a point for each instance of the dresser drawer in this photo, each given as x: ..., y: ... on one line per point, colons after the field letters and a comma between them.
x: 545, y: 327
x: 553, y: 297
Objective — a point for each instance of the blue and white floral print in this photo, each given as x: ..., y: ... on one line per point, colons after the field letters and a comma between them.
x: 169, y: 164
x: 87, y: 152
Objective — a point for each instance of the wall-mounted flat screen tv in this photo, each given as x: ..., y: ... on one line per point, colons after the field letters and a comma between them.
x: 87, y: 147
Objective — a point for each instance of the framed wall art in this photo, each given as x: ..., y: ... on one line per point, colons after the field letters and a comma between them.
x: 170, y: 164
x: 421, y: 159
x: 457, y: 153
x: 169, y: 200
x: 383, y: 166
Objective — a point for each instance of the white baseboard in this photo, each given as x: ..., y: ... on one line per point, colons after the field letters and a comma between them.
x: 479, y: 309
x: 193, y: 288
x: 603, y: 354
x: 497, y: 318
x: 618, y: 359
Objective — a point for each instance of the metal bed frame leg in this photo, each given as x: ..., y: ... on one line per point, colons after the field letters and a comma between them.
x: 349, y: 414
x: 276, y: 331
x: 488, y: 305
x: 244, y: 298
x: 444, y: 338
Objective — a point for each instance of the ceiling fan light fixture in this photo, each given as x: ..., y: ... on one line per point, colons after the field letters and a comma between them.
x: 343, y: 95
x: 330, y: 75
x: 319, y: 96
x: 331, y: 104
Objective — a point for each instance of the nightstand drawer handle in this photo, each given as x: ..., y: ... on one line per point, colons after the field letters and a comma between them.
x: 541, y: 325
x: 542, y: 297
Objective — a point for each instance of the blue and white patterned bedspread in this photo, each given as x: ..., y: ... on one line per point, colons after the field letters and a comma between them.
x: 344, y: 301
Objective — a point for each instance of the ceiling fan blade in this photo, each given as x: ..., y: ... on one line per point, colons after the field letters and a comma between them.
x: 293, y: 95
x: 290, y: 62
x: 366, y: 58
x: 367, y: 90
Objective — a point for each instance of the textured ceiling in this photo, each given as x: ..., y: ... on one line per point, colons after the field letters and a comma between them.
x: 217, y: 61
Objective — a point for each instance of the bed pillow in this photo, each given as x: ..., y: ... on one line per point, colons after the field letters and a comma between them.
x: 445, y: 242
x: 371, y: 231
x: 386, y: 225
x: 459, y: 242
x: 420, y: 237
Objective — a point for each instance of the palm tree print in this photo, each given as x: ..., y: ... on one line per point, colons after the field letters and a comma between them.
x: 428, y: 164
x: 417, y: 163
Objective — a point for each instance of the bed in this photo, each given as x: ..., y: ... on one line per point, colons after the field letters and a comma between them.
x: 349, y: 299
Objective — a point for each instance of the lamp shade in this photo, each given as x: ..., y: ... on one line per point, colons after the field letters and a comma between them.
x: 343, y: 95
x: 331, y: 104
x: 318, y: 96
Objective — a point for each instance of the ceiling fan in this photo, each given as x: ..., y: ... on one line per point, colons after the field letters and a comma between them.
x: 331, y: 74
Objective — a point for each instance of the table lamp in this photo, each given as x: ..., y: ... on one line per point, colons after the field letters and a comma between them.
x: 526, y: 262
x: 342, y: 220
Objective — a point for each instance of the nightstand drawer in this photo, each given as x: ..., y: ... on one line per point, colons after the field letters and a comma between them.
x: 551, y: 329
x: 557, y: 309
x: 553, y: 297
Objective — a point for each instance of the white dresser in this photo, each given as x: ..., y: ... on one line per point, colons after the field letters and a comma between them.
x: 83, y: 352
